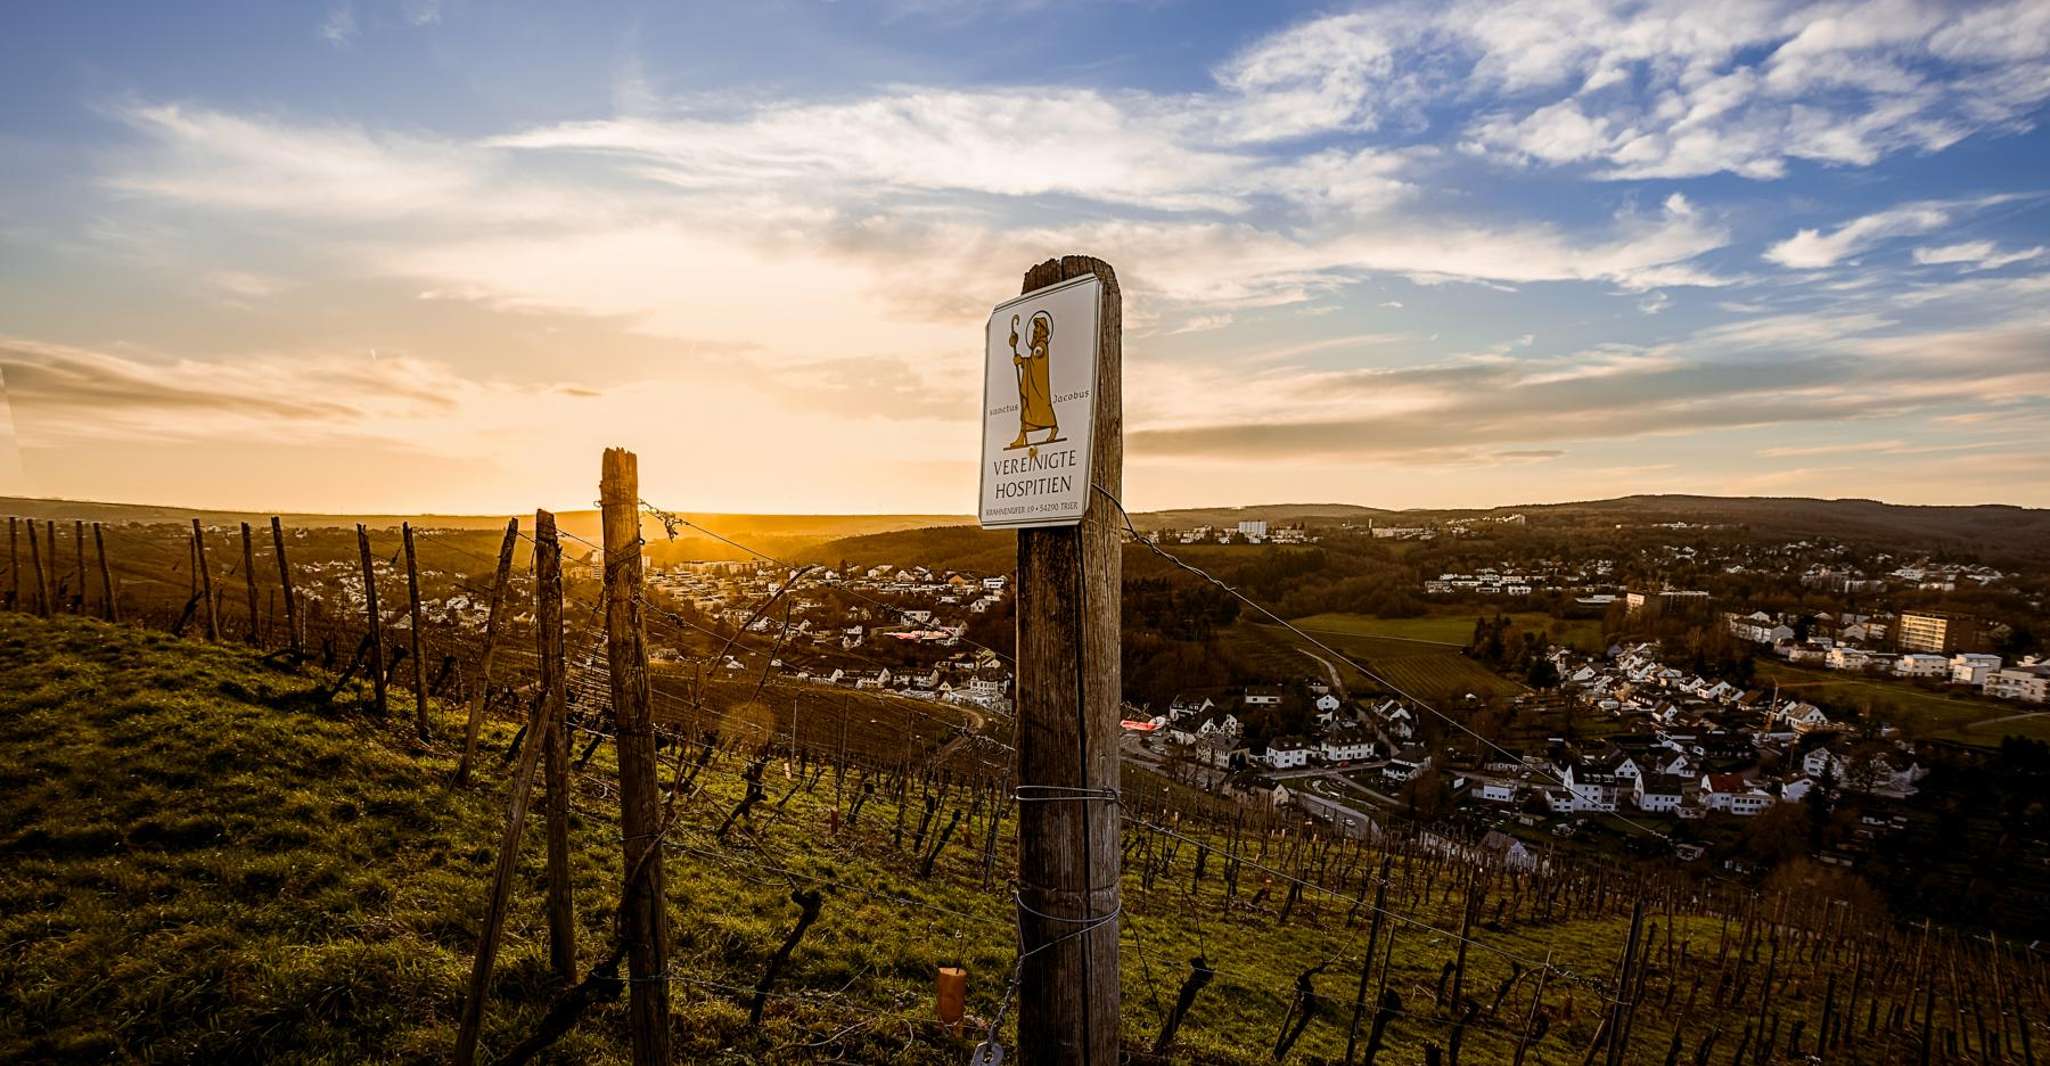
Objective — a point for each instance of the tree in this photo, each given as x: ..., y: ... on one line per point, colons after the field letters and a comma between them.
x: 1543, y: 674
x: 1779, y: 833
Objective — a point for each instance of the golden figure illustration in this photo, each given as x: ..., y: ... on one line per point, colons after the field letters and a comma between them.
x: 1035, y: 388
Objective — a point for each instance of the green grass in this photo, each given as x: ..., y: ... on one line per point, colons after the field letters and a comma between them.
x: 1981, y: 722
x: 200, y: 860
x: 1454, y: 628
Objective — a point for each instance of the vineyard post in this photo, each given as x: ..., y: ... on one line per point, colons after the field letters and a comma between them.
x: 645, y: 921
x: 1067, y: 712
x: 35, y: 559
x: 13, y: 562
x: 483, y: 689
x: 78, y: 550
x: 109, y: 605
x: 249, y: 579
x: 413, y: 635
x: 56, y: 577
x: 548, y: 638
x: 371, y: 616
x: 206, y: 581
x: 501, y: 892
x: 293, y: 633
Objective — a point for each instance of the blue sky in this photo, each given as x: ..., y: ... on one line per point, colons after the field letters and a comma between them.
x: 399, y: 254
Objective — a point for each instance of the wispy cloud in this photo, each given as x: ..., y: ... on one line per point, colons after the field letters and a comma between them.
x: 339, y: 27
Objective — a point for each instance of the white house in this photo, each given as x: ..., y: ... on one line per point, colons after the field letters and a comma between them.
x: 1328, y: 703
x: 1823, y: 762
x: 1971, y: 668
x: 1262, y: 696
x: 1495, y: 790
x: 2030, y: 684
x: 1922, y: 664
x: 1286, y: 753
x: 1732, y: 794
x: 1348, y: 745
x: 1658, y: 793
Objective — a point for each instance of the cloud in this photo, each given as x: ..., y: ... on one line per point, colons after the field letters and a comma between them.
x: 339, y: 27
x: 1811, y: 249
x: 1468, y: 410
x: 1976, y: 255
x: 1671, y: 89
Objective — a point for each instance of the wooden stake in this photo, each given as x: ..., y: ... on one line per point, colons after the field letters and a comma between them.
x: 375, y: 636
x: 482, y: 692
x: 110, y: 605
x: 35, y: 558
x: 643, y: 905
x: 419, y: 621
x: 295, y: 635
x: 206, y: 581
x: 249, y: 579
x: 501, y: 891
x: 1359, y: 1002
x: 548, y: 640
x: 1067, y: 713
x: 78, y: 549
x: 13, y: 563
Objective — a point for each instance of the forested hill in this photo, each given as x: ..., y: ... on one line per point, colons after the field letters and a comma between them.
x: 1994, y: 533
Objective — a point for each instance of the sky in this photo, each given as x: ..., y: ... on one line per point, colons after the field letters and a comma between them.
x: 421, y: 256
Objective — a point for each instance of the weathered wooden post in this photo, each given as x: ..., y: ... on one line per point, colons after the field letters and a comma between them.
x: 501, y: 894
x: 35, y: 559
x: 643, y: 904
x: 249, y: 583
x: 548, y: 641
x: 419, y: 620
x: 483, y: 690
x: 206, y: 581
x: 294, y: 636
x: 78, y: 550
x: 110, y: 605
x: 375, y: 637
x: 13, y: 562
x: 1053, y: 466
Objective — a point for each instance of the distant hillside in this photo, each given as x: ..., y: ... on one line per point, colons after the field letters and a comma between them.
x: 1996, y: 532
x: 779, y: 535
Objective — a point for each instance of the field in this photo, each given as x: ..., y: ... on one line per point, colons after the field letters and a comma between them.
x: 1415, y: 654
x: 1455, y: 628
x: 1923, y: 713
x: 207, y: 860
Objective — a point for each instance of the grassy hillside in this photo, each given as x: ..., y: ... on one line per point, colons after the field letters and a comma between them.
x: 201, y: 859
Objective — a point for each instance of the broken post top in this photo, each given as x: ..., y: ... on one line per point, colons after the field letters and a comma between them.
x: 1060, y: 269
x: 619, y: 476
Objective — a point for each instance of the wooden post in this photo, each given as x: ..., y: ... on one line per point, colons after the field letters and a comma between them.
x: 644, y: 912
x: 1359, y: 1002
x: 35, y: 559
x: 109, y: 604
x: 501, y: 891
x: 249, y: 581
x: 548, y: 640
x: 375, y: 621
x: 418, y: 620
x: 1067, y: 738
x: 482, y: 691
x: 78, y: 549
x: 294, y: 636
x: 206, y: 581
x: 13, y: 562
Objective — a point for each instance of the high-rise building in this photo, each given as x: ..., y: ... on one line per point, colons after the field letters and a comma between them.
x: 1935, y: 631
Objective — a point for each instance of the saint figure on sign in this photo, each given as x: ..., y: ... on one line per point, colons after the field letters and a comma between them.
x: 1035, y: 389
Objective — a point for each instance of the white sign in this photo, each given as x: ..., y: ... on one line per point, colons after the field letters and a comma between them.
x: 1039, y: 406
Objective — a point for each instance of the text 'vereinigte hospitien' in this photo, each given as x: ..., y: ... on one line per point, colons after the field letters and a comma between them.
x: 1021, y: 476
